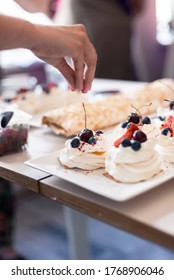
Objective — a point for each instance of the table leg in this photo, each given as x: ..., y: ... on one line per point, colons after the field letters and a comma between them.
x: 77, y: 234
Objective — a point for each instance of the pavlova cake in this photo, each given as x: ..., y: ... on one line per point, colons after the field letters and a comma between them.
x: 133, y: 157
x: 86, y: 151
x: 165, y: 141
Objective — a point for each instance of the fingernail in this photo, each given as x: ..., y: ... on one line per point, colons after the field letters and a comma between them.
x: 85, y: 91
x: 71, y: 88
x: 82, y: 89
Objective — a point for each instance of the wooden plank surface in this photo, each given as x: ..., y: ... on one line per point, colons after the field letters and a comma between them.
x: 149, y: 216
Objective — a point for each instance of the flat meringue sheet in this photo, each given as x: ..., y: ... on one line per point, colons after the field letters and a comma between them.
x: 111, y: 110
x: 100, y: 114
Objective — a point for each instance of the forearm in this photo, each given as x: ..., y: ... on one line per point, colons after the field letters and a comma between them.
x: 16, y: 33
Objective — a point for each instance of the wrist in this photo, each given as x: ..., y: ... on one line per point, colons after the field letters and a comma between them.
x: 38, y: 37
x: 28, y: 35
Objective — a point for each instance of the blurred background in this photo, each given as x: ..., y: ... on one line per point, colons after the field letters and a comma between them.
x: 40, y: 232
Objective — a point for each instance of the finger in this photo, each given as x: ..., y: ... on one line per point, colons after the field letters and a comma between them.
x: 67, y: 72
x: 79, y: 67
x: 91, y: 60
x: 63, y: 67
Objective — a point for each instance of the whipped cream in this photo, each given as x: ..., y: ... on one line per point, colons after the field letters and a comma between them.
x: 152, y: 130
x: 86, y: 156
x: 165, y: 112
x: 127, y: 165
x: 165, y: 147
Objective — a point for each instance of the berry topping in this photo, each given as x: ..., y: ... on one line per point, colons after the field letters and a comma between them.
x: 98, y: 132
x: 92, y: 141
x: 136, y: 145
x: 47, y: 87
x: 171, y: 105
x: 5, y: 118
x: 161, y: 118
x: 139, y: 136
x: 126, y: 142
x: 134, y: 117
x: 85, y: 134
x: 22, y: 90
x: 131, y: 127
x: 124, y: 124
x: 169, y: 123
x: 165, y: 131
x: 146, y: 120
x: 7, y: 99
x: 75, y: 142
x: 51, y: 85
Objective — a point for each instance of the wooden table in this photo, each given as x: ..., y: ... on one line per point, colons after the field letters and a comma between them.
x: 150, y: 215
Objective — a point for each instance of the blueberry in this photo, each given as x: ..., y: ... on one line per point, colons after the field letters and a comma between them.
x: 92, y: 141
x: 139, y: 136
x: 126, y: 142
x: 146, y: 120
x: 7, y: 99
x: 124, y: 124
x: 136, y: 145
x: 75, y: 142
x: 162, y: 118
x: 129, y: 124
x: 98, y: 132
x: 165, y: 131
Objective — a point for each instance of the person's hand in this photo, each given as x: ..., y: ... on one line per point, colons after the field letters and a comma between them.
x: 54, y: 43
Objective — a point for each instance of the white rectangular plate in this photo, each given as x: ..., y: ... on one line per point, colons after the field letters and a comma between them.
x: 96, y: 181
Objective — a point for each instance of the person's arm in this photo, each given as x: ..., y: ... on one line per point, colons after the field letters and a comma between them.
x: 52, y: 44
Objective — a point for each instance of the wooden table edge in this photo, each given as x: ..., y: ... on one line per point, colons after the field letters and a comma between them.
x: 100, y: 212
x: 28, y: 182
